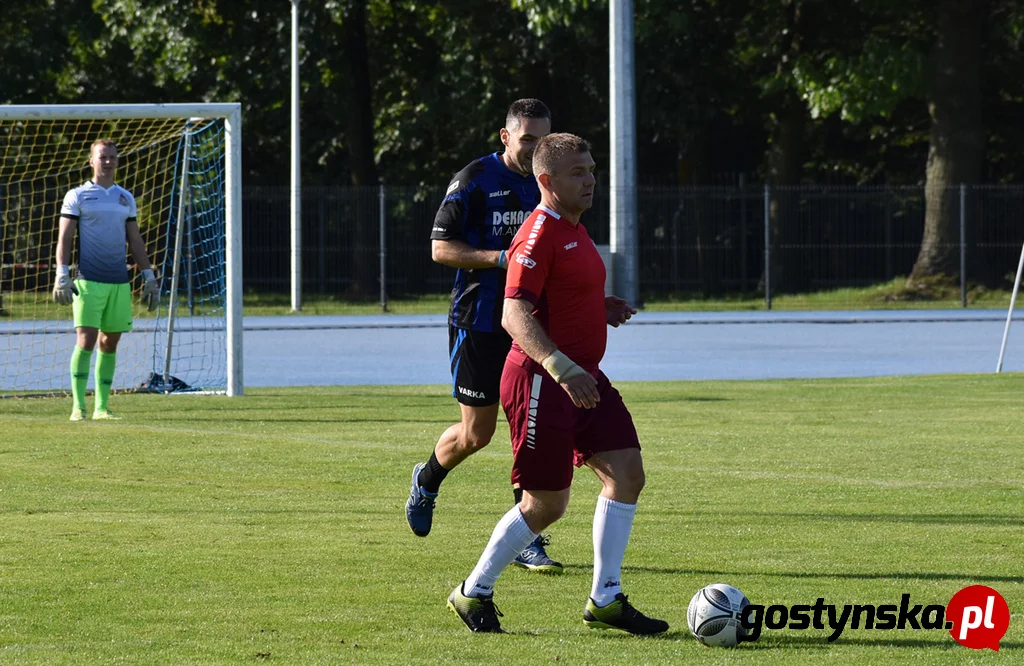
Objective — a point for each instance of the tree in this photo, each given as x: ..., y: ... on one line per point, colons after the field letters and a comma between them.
x: 957, y: 139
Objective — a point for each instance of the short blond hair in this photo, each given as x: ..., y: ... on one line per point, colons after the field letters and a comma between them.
x: 553, y: 147
x: 102, y: 142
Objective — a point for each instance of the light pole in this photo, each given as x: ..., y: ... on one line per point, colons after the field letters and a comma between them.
x: 624, y: 239
x: 296, y: 171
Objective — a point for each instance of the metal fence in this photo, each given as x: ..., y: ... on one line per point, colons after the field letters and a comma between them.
x: 693, y: 241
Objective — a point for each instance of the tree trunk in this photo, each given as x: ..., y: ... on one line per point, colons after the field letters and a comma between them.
x: 785, y: 168
x: 359, y: 141
x: 957, y: 140
x: 789, y: 267
x: 359, y: 131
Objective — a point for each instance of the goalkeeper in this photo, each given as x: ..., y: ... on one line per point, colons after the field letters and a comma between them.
x: 104, y: 215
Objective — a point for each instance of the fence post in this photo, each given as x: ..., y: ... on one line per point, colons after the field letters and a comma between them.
x: 743, y: 233
x: 383, y: 230
x: 767, y: 248
x: 963, y: 245
x: 321, y: 214
x: 888, y: 232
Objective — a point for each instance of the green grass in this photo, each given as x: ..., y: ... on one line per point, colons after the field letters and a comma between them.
x: 270, y: 528
x: 884, y: 296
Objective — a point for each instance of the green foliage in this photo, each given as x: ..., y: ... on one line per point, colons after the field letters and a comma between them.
x: 712, y: 77
x: 544, y: 15
x: 864, y: 86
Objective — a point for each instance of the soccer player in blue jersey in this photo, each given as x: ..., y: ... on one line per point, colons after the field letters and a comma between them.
x: 104, y: 216
x: 481, y: 212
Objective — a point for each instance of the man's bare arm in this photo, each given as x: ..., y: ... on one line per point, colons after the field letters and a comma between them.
x: 137, y: 246
x: 517, y: 318
x: 458, y: 254
x: 65, y: 239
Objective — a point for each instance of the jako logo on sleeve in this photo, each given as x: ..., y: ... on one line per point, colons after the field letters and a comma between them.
x: 525, y: 261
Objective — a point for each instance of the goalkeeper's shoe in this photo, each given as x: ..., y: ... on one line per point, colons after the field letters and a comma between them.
x: 77, y: 414
x: 535, y: 558
x: 620, y: 614
x: 419, y: 508
x: 479, y: 613
x: 104, y: 415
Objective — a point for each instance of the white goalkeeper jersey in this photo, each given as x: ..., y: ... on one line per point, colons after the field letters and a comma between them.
x: 102, y: 241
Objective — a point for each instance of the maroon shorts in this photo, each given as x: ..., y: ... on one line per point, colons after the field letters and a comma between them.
x: 549, y: 433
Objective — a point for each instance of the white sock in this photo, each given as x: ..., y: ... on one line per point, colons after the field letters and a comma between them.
x: 511, y: 535
x: 613, y: 522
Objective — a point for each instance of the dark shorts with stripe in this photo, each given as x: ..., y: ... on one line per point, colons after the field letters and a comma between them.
x: 550, y: 434
x: 477, y: 358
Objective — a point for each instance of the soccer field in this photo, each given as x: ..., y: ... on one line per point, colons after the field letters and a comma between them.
x: 270, y: 528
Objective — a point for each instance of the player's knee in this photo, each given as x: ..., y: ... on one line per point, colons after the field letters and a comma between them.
x: 628, y: 482
x: 636, y: 478
x: 540, y: 513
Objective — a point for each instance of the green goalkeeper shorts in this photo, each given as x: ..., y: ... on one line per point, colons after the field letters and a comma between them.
x: 105, y: 306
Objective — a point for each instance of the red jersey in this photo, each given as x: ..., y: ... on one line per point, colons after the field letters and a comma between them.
x: 555, y: 266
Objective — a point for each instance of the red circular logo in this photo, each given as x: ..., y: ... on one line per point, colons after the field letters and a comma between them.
x: 979, y: 617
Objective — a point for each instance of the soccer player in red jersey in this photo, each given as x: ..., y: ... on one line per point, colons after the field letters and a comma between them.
x: 561, y: 408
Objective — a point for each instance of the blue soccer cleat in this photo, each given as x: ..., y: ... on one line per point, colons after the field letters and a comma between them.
x: 535, y: 558
x: 419, y: 508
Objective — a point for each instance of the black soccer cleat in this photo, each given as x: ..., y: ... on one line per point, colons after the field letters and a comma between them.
x: 479, y: 613
x: 621, y: 615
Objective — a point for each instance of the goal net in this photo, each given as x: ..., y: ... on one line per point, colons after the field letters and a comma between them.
x: 181, y: 164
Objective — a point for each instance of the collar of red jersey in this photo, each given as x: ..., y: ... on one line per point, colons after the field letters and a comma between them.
x: 550, y: 212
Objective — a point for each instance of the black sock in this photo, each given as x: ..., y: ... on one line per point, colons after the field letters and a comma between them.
x: 518, y: 494
x: 432, y: 475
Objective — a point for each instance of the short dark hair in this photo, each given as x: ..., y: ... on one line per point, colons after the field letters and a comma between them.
x: 525, y: 108
x: 554, y: 147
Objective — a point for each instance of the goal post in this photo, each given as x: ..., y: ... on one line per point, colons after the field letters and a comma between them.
x: 195, y: 194
x: 1009, y: 313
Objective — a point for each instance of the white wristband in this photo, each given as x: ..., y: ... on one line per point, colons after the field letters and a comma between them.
x: 148, y: 274
x: 63, y: 269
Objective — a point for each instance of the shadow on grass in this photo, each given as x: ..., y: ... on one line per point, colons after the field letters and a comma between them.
x: 819, y: 641
x: 768, y: 642
x: 268, y: 418
x: 918, y: 518
x: 669, y: 398
x: 898, y: 575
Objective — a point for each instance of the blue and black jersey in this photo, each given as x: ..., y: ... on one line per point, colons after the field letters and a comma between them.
x: 485, y: 204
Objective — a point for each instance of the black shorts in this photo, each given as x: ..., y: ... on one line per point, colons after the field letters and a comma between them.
x: 477, y: 359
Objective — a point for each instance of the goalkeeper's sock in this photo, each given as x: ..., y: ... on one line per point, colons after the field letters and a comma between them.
x: 104, y: 378
x: 80, y: 359
x: 432, y: 475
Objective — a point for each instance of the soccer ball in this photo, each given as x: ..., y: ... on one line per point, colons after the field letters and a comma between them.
x: 714, y: 615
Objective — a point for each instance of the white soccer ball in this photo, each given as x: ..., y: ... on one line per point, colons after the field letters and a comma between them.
x: 714, y: 615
